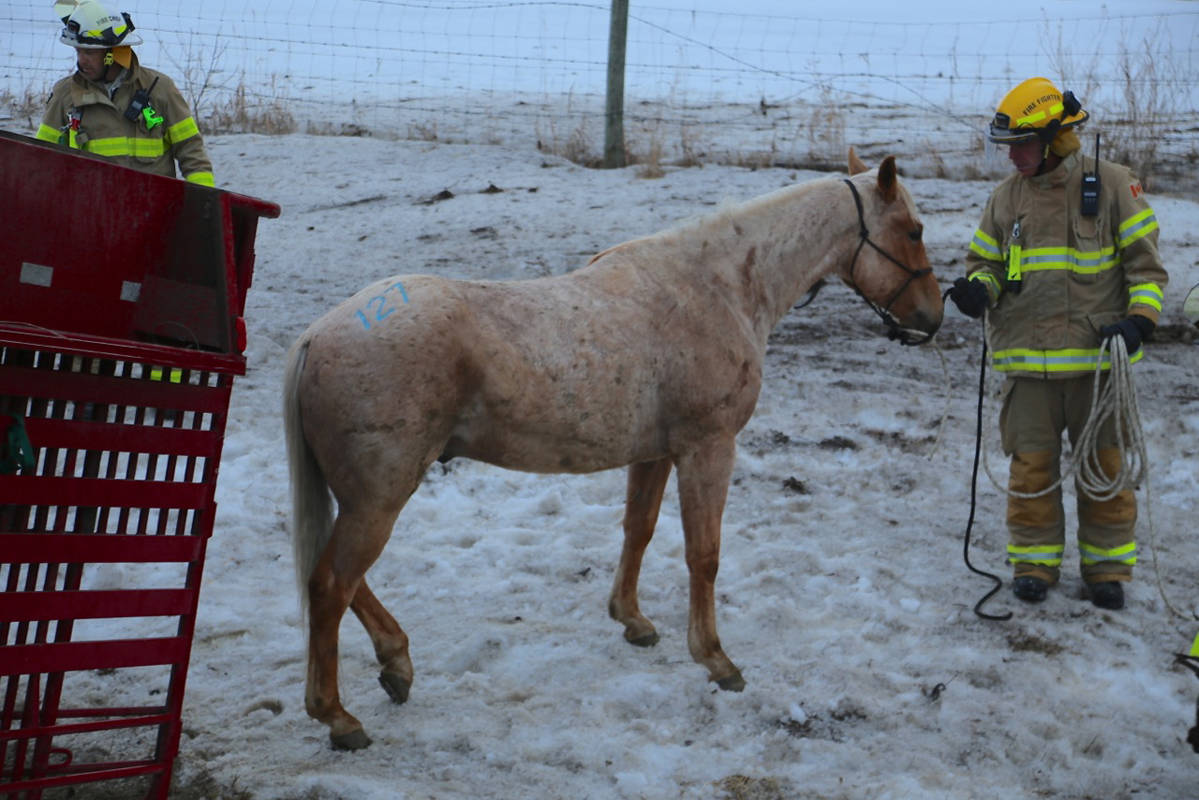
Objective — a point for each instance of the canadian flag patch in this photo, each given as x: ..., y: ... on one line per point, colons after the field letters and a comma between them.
x: 1136, y: 189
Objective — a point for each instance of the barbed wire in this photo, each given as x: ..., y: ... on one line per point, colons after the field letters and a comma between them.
x: 791, y: 84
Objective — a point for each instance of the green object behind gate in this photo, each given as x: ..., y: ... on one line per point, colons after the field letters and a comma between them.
x: 17, y: 452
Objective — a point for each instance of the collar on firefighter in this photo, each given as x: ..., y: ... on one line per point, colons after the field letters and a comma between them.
x: 894, y: 331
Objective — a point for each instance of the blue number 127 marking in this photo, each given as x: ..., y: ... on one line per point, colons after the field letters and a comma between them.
x: 378, y: 306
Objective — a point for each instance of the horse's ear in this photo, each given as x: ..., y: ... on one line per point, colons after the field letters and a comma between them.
x: 886, y: 178
x: 856, y: 164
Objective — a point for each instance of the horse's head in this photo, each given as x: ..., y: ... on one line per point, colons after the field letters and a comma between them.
x: 889, y: 267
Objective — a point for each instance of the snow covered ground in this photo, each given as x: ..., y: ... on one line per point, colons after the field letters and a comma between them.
x: 842, y: 593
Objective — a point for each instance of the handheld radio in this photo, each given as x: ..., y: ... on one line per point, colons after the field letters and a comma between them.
x: 140, y: 106
x: 1089, y: 206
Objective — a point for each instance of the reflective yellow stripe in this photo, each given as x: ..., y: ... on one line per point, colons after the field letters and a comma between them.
x: 1050, y: 361
x: 1195, y: 646
x: 985, y: 246
x: 48, y: 134
x: 1145, y: 294
x: 1081, y: 262
x: 990, y: 280
x: 182, y: 131
x: 97, y: 34
x: 1049, y: 555
x: 125, y: 146
x: 1124, y: 554
x: 1136, y: 227
x: 1038, y: 116
x: 1043, y: 259
x: 202, y: 178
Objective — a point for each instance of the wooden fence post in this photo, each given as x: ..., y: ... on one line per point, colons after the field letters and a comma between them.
x: 614, y: 155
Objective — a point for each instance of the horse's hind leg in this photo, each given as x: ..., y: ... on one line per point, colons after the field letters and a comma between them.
x: 647, y: 482
x: 357, y: 540
x: 390, y: 641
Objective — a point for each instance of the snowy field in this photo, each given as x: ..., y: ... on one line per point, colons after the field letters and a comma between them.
x: 842, y: 595
x: 842, y: 592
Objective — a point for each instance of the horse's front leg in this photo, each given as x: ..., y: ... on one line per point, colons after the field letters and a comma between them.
x: 647, y: 482
x: 356, y: 542
x: 703, y: 487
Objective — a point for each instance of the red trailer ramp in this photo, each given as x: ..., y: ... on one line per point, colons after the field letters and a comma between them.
x: 121, y: 301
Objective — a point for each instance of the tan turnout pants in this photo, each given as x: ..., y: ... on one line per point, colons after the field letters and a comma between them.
x: 1034, y: 414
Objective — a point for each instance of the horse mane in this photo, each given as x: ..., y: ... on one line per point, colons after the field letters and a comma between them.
x: 727, y: 212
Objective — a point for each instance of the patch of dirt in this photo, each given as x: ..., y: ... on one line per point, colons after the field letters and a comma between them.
x: 1174, y: 332
x: 899, y: 440
x: 743, y: 787
x: 1023, y: 642
x: 796, y: 486
x: 816, y: 726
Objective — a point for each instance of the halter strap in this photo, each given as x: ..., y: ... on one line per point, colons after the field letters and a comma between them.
x: 884, y: 312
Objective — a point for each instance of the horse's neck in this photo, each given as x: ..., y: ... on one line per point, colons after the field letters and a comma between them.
x: 797, y: 236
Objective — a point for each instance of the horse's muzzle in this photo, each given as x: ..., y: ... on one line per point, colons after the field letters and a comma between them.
x: 925, y: 328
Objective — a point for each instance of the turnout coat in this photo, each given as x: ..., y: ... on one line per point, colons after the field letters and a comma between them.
x: 82, y: 115
x: 1055, y: 276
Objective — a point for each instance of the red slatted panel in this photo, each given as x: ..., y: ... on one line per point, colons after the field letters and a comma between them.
x: 119, y: 358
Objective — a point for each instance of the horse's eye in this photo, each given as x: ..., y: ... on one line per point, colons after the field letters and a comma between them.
x: 916, y: 234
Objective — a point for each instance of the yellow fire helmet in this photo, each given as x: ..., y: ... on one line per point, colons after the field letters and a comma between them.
x: 1035, y: 110
x: 90, y: 25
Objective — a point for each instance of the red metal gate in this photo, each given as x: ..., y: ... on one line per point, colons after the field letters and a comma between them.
x: 121, y: 295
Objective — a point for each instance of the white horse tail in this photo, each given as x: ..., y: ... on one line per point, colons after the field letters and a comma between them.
x: 311, y: 502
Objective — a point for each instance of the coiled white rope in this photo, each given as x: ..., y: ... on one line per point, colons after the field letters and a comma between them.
x: 1117, y: 399
x: 1114, y: 398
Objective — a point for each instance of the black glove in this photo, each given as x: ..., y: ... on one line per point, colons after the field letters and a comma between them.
x: 1134, y: 328
x: 971, y: 297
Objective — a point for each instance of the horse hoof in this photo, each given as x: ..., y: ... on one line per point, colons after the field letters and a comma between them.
x: 645, y: 640
x: 732, y: 683
x: 354, y: 740
x: 395, y: 685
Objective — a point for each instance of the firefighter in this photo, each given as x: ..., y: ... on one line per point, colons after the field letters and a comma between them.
x: 1191, y: 661
x: 114, y: 107
x: 1065, y: 257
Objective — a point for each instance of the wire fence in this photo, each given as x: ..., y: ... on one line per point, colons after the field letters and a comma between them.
x: 770, y: 83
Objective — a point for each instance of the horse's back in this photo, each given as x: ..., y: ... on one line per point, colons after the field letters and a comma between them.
x: 576, y: 373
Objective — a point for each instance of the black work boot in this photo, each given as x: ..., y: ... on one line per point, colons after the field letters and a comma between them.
x: 1107, y: 594
x: 1030, y: 589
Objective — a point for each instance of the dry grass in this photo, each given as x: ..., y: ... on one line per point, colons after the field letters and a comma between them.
x: 825, y: 127
x: 1151, y: 83
x: 574, y: 146
x: 423, y: 132
x: 246, y: 113
x: 650, y: 162
x: 28, y: 105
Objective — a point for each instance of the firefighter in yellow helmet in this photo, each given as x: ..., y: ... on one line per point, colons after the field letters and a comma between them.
x: 1064, y: 257
x: 114, y: 107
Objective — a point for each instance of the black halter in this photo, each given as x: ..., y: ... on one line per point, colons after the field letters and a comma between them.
x: 894, y: 331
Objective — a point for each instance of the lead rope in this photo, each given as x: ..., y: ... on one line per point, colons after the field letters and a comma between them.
x: 978, y: 450
x: 1117, y: 398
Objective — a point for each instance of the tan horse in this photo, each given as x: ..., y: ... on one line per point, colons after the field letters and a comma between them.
x: 650, y: 357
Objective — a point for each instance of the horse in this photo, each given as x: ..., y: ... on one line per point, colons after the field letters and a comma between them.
x: 649, y: 357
